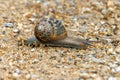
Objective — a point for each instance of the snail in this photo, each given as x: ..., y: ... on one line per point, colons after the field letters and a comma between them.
x: 52, y: 32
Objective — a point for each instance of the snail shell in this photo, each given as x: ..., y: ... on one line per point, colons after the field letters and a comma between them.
x: 50, y: 29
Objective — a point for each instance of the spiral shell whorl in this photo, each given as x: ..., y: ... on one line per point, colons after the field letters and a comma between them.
x: 50, y: 29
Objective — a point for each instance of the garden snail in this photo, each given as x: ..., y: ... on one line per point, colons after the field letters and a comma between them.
x: 52, y: 32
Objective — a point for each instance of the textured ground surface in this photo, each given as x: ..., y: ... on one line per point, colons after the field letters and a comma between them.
x: 87, y: 19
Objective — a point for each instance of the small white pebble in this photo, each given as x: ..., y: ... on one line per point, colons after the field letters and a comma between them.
x: 85, y: 9
x: 117, y: 69
x: 16, y: 75
x: 110, y: 50
x: 28, y: 76
x: 35, y: 60
x: 102, y: 22
x: 16, y: 31
x: 33, y: 49
x: 21, y: 61
x: 104, y: 11
x: 109, y: 40
x: 38, y: 1
x: 27, y: 30
x: 10, y: 63
x: 32, y: 19
x: 20, y: 26
x: 34, y: 76
x: 112, y: 78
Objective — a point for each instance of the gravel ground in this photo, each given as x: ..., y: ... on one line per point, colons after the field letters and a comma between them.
x: 87, y: 19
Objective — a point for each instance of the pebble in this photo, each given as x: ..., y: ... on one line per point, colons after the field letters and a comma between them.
x: 35, y: 61
x: 2, y: 36
x: 16, y: 75
x: 8, y: 24
x: 28, y: 76
x: 96, y: 59
x: 102, y: 22
x: 16, y: 30
x: 27, y: 15
x: 117, y: 49
x: 20, y: 26
x: 112, y: 65
x: 110, y: 50
x: 85, y: 10
x: 117, y: 69
x: 32, y: 19
x: 33, y: 49
x: 111, y: 78
x: 110, y: 3
x: 10, y: 63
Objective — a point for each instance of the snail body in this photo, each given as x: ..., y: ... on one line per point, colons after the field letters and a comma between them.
x: 52, y: 32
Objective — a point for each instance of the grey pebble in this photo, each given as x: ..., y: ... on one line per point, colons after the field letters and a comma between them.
x: 8, y: 24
